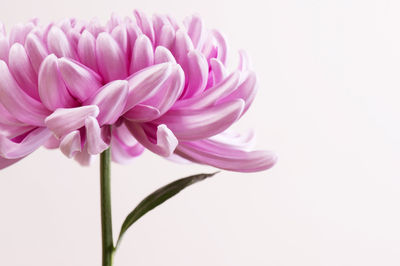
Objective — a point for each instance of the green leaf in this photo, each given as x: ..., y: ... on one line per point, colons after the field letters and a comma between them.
x: 158, y: 197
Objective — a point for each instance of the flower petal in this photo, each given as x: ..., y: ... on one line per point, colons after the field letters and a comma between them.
x: 71, y: 144
x: 163, y: 55
x: 142, y: 113
x: 64, y: 120
x: 111, y: 100
x: 4, y: 48
x: 110, y: 58
x: 19, y: 32
x: 52, y: 90
x: 225, y: 157
x: 58, y: 43
x: 145, y: 24
x: 143, y: 55
x: 124, y: 145
x: 195, y: 30
x: 218, y: 70
x: 7, y: 162
x: 222, y: 46
x: 33, y: 140
x: 94, y: 141
x: 81, y: 82
x: 87, y: 50
x: 167, y: 36
x: 22, y: 70
x: 17, y: 102
x: 121, y: 37
x: 188, y: 124
x: 83, y: 157
x: 197, y: 74
x: 36, y: 51
x: 145, y: 83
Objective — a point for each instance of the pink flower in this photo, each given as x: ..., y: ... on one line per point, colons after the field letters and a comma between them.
x: 160, y: 84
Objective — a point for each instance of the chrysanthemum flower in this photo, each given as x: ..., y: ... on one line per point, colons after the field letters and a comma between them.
x: 134, y: 83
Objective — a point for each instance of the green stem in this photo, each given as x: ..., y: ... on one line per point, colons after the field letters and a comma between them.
x: 105, y: 198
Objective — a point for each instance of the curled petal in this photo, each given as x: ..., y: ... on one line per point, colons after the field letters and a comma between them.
x: 183, y: 44
x: 124, y: 145
x: 164, y: 143
x: 225, y: 157
x: 52, y: 90
x: 87, y: 50
x: 222, y: 46
x: 142, y: 113
x: 64, y: 120
x: 203, y: 123
x: 22, y: 70
x: 33, y: 140
x: 94, y: 141
x: 59, y: 44
x: 71, y: 144
x: 163, y: 55
x: 83, y: 157
x: 195, y: 30
x: 143, y: 55
x: 36, y: 51
x: 144, y: 84
x: 52, y: 143
x: 111, y: 100
x: 4, y: 47
x: 81, y: 82
x: 145, y: 24
x: 110, y: 58
x: 197, y: 74
x: 218, y: 70
x: 17, y: 102
x: 212, y: 95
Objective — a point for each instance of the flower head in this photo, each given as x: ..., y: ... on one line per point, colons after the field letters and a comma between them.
x: 134, y: 83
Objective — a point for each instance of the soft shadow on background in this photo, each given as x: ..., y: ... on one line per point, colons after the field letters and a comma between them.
x: 327, y: 104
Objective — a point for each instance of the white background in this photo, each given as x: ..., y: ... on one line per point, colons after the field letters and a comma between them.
x: 329, y: 76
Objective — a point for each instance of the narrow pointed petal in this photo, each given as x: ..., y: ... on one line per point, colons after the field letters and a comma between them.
x: 218, y: 70
x: 4, y: 48
x: 36, y: 51
x: 183, y: 44
x: 52, y: 143
x: 133, y: 32
x: 142, y: 113
x: 64, y: 120
x: 111, y: 100
x: 124, y: 146
x: 52, y: 90
x: 110, y: 59
x: 212, y: 95
x: 19, y: 32
x: 163, y: 55
x: 59, y: 44
x: 121, y: 37
x: 83, y: 157
x: 94, y: 141
x: 222, y: 46
x: 195, y: 29
x: 197, y: 74
x: 144, y: 84
x: 33, y: 140
x: 143, y: 55
x: 145, y: 24
x: 158, y: 23
x: 165, y: 141
x: 71, y: 144
x: 228, y: 158
x: 17, y: 102
x: 95, y: 27
x: 22, y: 70
x: 203, y: 123
x: 167, y: 36
x: 81, y: 82
x: 170, y: 91
x: 87, y: 50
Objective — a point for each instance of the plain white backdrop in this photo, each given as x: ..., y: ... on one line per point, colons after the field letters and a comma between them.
x: 329, y: 76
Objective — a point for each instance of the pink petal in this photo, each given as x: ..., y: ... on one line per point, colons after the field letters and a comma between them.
x: 224, y: 157
x: 163, y: 55
x: 183, y: 44
x: 110, y: 59
x: 143, y: 55
x: 142, y: 113
x: 145, y: 83
x: 7, y: 162
x: 197, y: 74
x: 4, y: 48
x: 17, y: 102
x: 81, y: 82
x: 244, y: 61
x: 22, y: 70
x: 158, y: 23
x: 164, y: 142
x: 124, y: 145
x: 52, y: 90
x: 36, y: 51
x: 52, y: 143
x: 121, y: 37
x: 64, y: 120
x: 133, y: 32
x: 189, y: 124
x: 218, y: 70
x: 83, y: 157
x: 71, y: 144
x: 94, y: 141
x: 167, y: 36
x: 145, y: 24
x: 195, y: 30
x: 95, y: 27
x: 33, y: 140
x: 19, y: 32
x: 111, y: 100
x: 59, y: 44
x: 222, y: 46
x: 212, y: 95
x: 87, y: 50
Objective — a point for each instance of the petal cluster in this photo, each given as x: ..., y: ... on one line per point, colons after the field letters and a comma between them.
x: 133, y: 83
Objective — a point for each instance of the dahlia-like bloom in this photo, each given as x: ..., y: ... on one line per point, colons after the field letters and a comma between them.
x: 134, y: 83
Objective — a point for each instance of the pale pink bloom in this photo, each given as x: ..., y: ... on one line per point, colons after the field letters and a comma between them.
x: 161, y: 84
